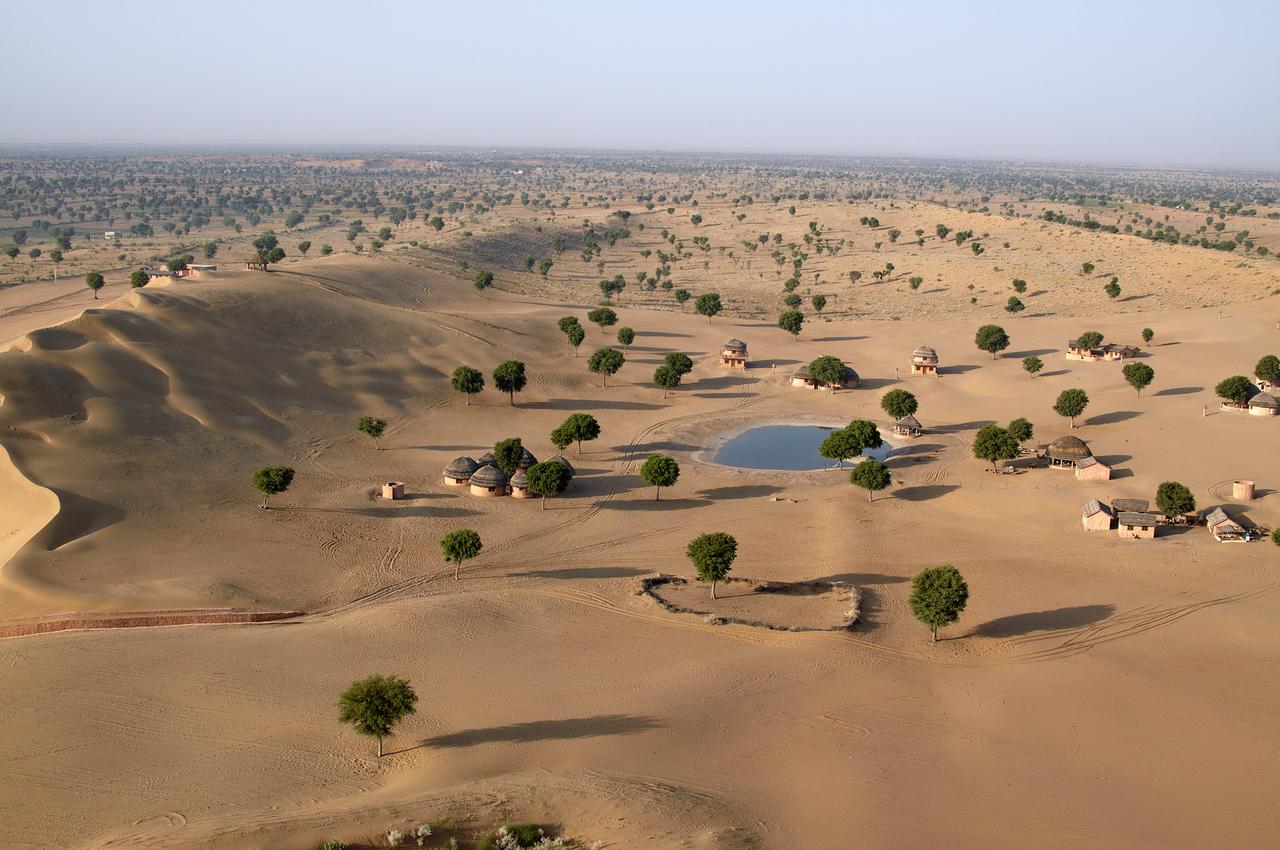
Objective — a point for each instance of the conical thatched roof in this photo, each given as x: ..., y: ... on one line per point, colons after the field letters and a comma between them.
x: 802, y: 372
x: 489, y: 476
x: 526, y: 460
x: 1263, y: 400
x: 909, y: 421
x: 520, y: 479
x: 461, y: 467
x: 486, y: 458
x: 564, y: 460
x: 734, y: 345
x: 1068, y: 447
x: 924, y: 352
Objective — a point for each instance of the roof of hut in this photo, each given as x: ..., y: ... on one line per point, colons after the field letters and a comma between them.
x: 1139, y: 518
x: 909, y: 421
x: 734, y: 345
x: 1217, y: 516
x: 1094, y: 506
x: 565, y: 461
x: 1068, y: 447
x: 925, y: 352
x: 1131, y: 505
x: 461, y: 467
x: 489, y: 476
x: 1266, y: 400
x: 486, y: 458
x: 526, y: 459
x: 520, y: 479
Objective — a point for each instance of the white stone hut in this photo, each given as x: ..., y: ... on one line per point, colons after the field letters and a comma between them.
x: 733, y: 354
x: 924, y: 361
x: 459, y: 471
x: 1097, y: 516
x: 488, y: 480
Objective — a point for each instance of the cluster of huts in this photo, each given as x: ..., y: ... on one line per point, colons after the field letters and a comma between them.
x: 486, y: 480
x: 733, y: 355
x: 1133, y: 519
x: 1109, y: 352
x: 1260, y: 402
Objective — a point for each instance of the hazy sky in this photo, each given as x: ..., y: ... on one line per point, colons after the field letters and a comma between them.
x: 1165, y: 83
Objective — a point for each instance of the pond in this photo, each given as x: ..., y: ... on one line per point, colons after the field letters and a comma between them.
x: 788, y: 447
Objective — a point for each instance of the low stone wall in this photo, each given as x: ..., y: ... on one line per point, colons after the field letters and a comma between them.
x: 84, y: 620
x: 647, y: 587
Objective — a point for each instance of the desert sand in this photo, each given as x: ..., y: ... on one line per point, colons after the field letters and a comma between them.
x: 1096, y: 692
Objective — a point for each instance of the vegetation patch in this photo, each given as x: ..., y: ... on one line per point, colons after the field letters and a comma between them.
x: 808, y: 606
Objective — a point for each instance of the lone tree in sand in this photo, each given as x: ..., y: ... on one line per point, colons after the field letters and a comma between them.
x: 792, y: 321
x: 373, y: 428
x: 938, y: 595
x: 993, y: 443
x: 1032, y: 364
x: 1235, y: 389
x: 828, y: 370
x: 1139, y: 375
x: 578, y: 428
x: 467, y: 380
x: 1148, y: 335
x: 899, y: 403
x: 267, y: 249
x: 271, y: 480
x: 549, y: 478
x: 991, y: 339
x: 626, y: 335
x: 666, y: 377
x: 94, y: 281
x: 708, y: 304
x: 483, y: 280
x: 461, y: 544
x: 819, y: 302
x: 871, y: 475
x: 1112, y: 288
x: 712, y: 555
x: 137, y: 279
x: 507, y: 455
x: 1071, y: 403
x: 678, y: 361
x: 1020, y: 429
x: 660, y: 471
x: 576, y: 335
x: 508, y: 377
x: 604, y: 317
x: 1174, y: 499
x: 1090, y: 339
x: 1086, y: 268
x: 605, y: 362
x: 1014, y: 305
x: 374, y: 705
x: 1268, y: 369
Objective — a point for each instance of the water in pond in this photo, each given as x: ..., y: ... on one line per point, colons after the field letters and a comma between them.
x: 789, y: 447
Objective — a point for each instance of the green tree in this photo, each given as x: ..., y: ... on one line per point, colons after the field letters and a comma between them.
x: 544, y: 266
x: 1139, y: 375
x: 561, y: 438
x: 792, y: 321
x: 659, y: 471
x: 507, y: 455
x: 678, y: 361
x: 626, y: 335
x: 605, y: 362
x: 374, y: 705
x: 696, y: 219
x: 508, y: 377
x: 712, y: 555
x: 137, y: 279
x: 851, y: 441
x: 1014, y: 305
x: 708, y: 304
x: 566, y: 322
x: 1032, y: 364
x: 792, y: 300
x: 1019, y: 285
x: 576, y: 335
x: 666, y: 377
x: 271, y: 480
x: 818, y: 302
x: 461, y: 544
x: 991, y: 339
x: 1086, y: 268
x: 1112, y: 289
x: 1021, y: 430
x: 581, y: 427
x: 604, y: 317
x: 827, y: 369
x: 483, y: 280
x: 1268, y: 369
x: 1275, y: 537
x: 12, y: 252
x: 938, y: 595
x: 293, y: 220
x: 267, y: 249
x: 467, y: 380
x: 899, y: 403
x: 1089, y: 339
x: 549, y: 478
x: 1148, y: 335
x: 1235, y: 389
x: 993, y: 444
x: 871, y: 475
x: 1071, y: 403
x: 1174, y: 499
x: 94, y: 281
x: 373, y: 428
x: 304, y: 246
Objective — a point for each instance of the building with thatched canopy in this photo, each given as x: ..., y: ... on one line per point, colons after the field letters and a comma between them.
x: 520, y: 485
x: 526, y: 459
x: 1264, y: 404
x: 908, y: 426
x: 1133, y: 525
x: 1091, y: 469
x: 802, y: 378
x: 487, y: 457
x: 488, y: 480
x: 1224, y: 529
x: 1097, y: 516
x: 733, y: 354
x: 1110, y: 351
x: 1066, y: 451
x: 459, y: 471
x: 924, y: 361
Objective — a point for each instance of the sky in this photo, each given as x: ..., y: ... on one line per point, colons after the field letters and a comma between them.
x: 1122, y: 82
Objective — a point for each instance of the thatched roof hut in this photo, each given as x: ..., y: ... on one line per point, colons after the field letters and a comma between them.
x: 734, y: 345
x: 925, y: 354
x: 1264, y: 404
x: 564, y: 460
x: 488, y: 480
x: 486, y: 458
x: 908, y: 426
x: 526, y: 459
x: 459, y: 470
x: 1067, y: 450
x: 520, y: 485
x: 1138, y: 506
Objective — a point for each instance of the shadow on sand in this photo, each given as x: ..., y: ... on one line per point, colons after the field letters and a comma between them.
x: 547, y: 730
x: 1053, y: 620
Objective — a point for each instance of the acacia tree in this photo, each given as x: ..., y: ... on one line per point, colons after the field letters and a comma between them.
x: 548, y: 478
x: 1071, y: 403
x: 576, y: 335
x: 660, y: 471
x: 1014, y: 305
x: 604, y: 317
x: 95, y: 281
x: 708, y: 304
x: 579, y: 427
x: 1021, y: 430
x: 1235, y: 389
x: 508, y: 377
x: 1112, y: 288
x: 899, y: 403
x: 461, y: 544
x: 1174, y: 499
x: 1139, y: 375
x: 1268, y: 369
x: 467, y: 380
x: 712, y: 556
x: 1148, y: 335
x: 938, y: 595
x: 828, y: 370
x: 667, y: 378
x: 267, y: 249
x: 871, y: 475
x: 792, y: 321
x: 271, y: 480
x: 373, y: 428
x: 1089, y: 339
x: 375, y: 704
x: 605, y: 362
x: 818, y: 302
x: 993, y: 443
x: 991, y: 339
x: 1032, y: 364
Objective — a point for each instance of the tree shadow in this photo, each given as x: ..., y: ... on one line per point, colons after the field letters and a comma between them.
x: 1112, y: 418
x: 725, y: 381
x: 1054, y: 373
x: 663, y: 334
x: 838, y: 338
x: 1180, y: 391
x: 924, y: 492
x: 1053, y: 620
x: 1113, y: 460
x: 956, y: 370
x: 743, y: 491
x: 964, y: 426
x: 776, y: 361
x: 546, y: 730
x: 1034, y: 352
x: 863, y: 579
x: 583, y: 573
x: 719, y: 395
x: 581, y: 404
x: 649, y: 448
x: 444, y: 448
x: 655, y: 505
x: 875, y: 383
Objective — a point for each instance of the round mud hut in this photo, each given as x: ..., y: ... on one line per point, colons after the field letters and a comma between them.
x: 1067, y: 451
x: 520, y: 485
x: 924, y: 361
x: 459, y: 471
x: 488, y: 480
